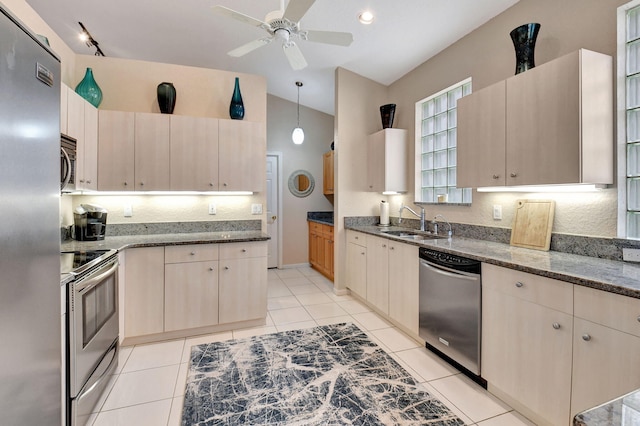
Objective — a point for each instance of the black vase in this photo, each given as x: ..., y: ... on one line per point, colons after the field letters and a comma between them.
x: 166, y: 97
x: 236, y: 107
x: 387, y: 113
x: 524, y: 41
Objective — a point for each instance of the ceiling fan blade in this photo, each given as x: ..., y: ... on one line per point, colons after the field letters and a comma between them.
x: 296, y: 9
x: 249, y: 47
x: 294, y: 55
x: 225, y: 11
x: 329, y: 37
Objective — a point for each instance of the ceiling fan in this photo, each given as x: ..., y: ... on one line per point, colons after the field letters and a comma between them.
x: 284, y: 25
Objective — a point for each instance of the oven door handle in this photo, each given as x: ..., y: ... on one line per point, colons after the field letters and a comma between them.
x: 92, y: 282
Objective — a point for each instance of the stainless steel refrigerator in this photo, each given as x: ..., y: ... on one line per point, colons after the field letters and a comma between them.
x: 30, y: 297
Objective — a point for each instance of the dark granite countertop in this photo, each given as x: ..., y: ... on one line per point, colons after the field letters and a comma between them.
x: 602, y: 274
x: 172, y: 239
x: 325, y: 218
x: 619, y: 412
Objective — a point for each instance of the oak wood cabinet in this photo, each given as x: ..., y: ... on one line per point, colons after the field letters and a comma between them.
x: 327, y: 173
x: 554, y: 124
x: 404, y: 266
x: 527, y: 335
x: 152, y: 152
x: 144, y: 291
x: 606, y: 347
x: 387, y: 156
x: 194, y: 153
x: 241, y: 153
x: 116, y: 151
x: 321, y: 248
x: 357, y: 263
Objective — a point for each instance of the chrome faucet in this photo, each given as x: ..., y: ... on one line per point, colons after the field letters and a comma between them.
x: 421, y: 215
x: 435, y: 225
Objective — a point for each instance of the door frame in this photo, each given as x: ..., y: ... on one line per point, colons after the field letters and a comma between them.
x: 280, y: 188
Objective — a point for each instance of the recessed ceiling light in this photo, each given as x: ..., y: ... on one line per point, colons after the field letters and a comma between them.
x: 366, y: 17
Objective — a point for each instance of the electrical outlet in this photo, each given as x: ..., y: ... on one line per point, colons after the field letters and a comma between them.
x: 256, y: 208
x: 630, y: 255
x: 497, y: 212
x: 212, y: 208
x: 128, y: 210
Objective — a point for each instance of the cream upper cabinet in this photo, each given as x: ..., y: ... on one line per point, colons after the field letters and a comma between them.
x: 89, y: 177
x: 527, y: 334
x: 152, y: 152
x: 357, y: 263
x: 241, y: 153
x: 558, y: 126
x: 606, y: 333
x: 194, y: 153
x: 64, y: 96
x: 378, y: 273
x: 116, y: 150
x: 387, y: 156
x: 404, y: 285
x: 81, y: 123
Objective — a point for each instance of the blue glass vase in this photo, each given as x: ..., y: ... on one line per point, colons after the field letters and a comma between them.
x: 236, y: 108
x: 89, y: 89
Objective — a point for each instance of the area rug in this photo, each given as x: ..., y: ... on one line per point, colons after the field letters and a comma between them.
x: 329, y: 375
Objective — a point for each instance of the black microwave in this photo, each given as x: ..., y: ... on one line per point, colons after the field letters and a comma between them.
x: 67, y: 163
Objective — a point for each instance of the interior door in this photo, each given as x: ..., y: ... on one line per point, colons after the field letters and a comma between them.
x: 273, y: 222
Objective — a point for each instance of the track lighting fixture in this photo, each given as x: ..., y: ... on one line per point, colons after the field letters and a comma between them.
x: 89, y: 41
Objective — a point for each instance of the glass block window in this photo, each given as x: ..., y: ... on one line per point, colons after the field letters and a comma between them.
x: 629, y: 27
x: 436, y: 118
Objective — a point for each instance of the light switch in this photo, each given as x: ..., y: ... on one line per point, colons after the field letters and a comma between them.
x: 256, y: 208
x: 212, y: 208
x: 128, y: 210
x: 497, y: 212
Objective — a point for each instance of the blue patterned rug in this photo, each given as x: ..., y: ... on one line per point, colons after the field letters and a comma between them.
x: 329, y: 375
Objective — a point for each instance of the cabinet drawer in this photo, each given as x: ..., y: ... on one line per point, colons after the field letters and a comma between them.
x: 613, y: 310
x: 243, y: 250
x: 190, y: 253
x: 327, y: 230
x: 357, y: 238
x: 315, y: 227
x: 544, y: 291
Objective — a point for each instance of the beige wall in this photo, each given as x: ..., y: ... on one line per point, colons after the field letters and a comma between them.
x: 358, y: 103
x: 318, y: 132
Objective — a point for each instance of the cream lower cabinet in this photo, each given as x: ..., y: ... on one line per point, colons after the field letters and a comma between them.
x: 190, y: 286
x: 144, y: 291
x: 378, y: 273
x: 357, y: 263
x: 404, y: 266
x: 606, y: 348
x: 242, y: 281
x: 527, y: 335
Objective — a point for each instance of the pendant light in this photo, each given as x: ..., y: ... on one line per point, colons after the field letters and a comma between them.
x: 298, y: 134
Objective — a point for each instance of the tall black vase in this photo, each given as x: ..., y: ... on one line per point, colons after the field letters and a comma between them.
x: 166, y: 97
x: 387, y: 112
x: 524, y: 41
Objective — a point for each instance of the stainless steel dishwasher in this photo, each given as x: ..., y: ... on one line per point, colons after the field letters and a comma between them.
x: 450, y: 308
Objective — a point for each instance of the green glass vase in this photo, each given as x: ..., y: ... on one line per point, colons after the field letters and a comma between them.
x: 89, y: 89
x: 236, y: 108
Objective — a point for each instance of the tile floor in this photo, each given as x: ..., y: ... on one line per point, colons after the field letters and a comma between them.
x: 149, y: 385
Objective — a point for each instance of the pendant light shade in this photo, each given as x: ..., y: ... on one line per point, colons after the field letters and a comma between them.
x: 298, y: 134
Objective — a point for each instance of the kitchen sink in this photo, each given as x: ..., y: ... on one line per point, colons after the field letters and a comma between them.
x: 410, y: 235
x: 401, y: 233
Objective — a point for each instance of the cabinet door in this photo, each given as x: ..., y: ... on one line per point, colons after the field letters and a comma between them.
x: 481, y: 138
x: 242, y: 151
x: 144, y: 291
x: 116, y: 151
x: 90, y: 159
x: 190, y: 295
x: 403, y: 279
x: 357, y: 269
x: 606, y: 365
x: 526, y: 354
x: 543, y: 124
x: 194, y: 153
x: 75, y: 129
x: 327, y: 173
x: 378, y: 273
x: 328, y: 256
x: 387, y: 156
x: 242, y: 289
x: 64, y: 96
x: 313, y: 247
x: 152, y: 152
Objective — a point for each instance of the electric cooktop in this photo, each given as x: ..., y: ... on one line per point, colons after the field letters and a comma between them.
x: 76, y: 262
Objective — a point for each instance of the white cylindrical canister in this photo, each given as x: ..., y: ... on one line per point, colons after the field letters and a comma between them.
x: 384, y: 213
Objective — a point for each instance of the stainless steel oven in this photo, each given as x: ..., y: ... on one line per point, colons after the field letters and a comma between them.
x: 92, y: 307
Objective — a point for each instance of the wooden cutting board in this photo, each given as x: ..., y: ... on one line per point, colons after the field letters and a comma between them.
x: 532, y: 224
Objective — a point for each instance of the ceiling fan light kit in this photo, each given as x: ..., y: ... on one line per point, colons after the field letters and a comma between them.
x: 298, y: 134
x: 284, y: 25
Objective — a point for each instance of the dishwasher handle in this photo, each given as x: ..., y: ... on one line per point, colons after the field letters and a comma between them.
x: 449, y: 271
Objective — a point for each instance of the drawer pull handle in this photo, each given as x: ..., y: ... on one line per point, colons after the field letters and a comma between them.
x: 211, y: 269
x: 362, y: 253
x: 513, y: 175
x: 519, y: 284
x: 384, y: 246
x: 193, y: 253
x: 586, y: 337
x: 556, y: 326
x: 244, y: 250
x: 496, y: 176
x: 392, y: 248
x: 226, y: 268
x: 356, y: 238
x: 638, y: 318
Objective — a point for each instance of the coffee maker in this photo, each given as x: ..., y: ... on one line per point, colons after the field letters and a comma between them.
x: 90, y: 222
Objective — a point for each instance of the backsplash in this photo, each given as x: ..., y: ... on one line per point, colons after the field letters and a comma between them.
x: 603, y: 248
